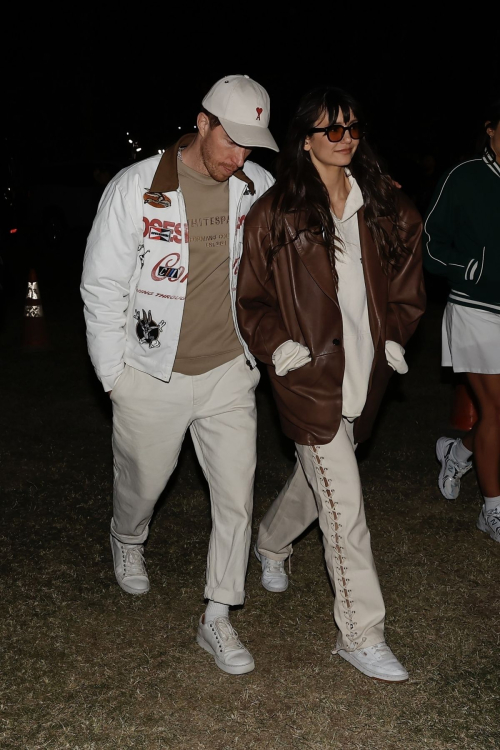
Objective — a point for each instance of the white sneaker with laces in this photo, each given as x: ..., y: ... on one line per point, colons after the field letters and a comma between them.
x: 273, y: 577
x: 451, y: 470
x: 489, y: 522
x: 130, y: 568
x: 376, y: 661
x: 220, y: 639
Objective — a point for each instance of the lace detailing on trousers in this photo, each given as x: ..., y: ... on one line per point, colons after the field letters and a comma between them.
x: 336, y: 542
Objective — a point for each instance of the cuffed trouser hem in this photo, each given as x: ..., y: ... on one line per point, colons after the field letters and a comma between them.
x: 274, y: 556
x: 223, y: 596
x: 126, y: 538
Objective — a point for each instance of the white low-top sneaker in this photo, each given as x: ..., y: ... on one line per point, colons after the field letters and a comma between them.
x: 220, y: 639
x: 130, y: 568
x: 489, y: 522
x: 451, y: 470
x: 376, y: 661
x: 274, y: 577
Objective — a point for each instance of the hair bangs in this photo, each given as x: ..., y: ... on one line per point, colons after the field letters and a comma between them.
x: 335, y: 103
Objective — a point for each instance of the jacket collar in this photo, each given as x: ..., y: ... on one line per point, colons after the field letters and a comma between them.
x: 166, y: 178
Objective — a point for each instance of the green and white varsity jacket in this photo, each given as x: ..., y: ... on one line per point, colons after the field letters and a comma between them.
x: 462, y: 233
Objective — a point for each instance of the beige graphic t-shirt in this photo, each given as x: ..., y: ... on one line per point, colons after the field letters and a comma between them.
x: 208, y: 338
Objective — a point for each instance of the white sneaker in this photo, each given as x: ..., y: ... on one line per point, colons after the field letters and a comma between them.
x: 220, y: 639
x: 130, y: 568
x: 274, y: 577
x: 376, y: 661
x: 451, y: 470
x: 489, y: 522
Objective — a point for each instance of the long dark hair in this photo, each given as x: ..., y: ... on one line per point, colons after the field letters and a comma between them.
x: 492, y: 119
x: 299, y: 188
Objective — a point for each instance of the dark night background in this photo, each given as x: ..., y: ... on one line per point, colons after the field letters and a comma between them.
x: 86, y: 666
x: 75, y: 84
x: 79, y: 85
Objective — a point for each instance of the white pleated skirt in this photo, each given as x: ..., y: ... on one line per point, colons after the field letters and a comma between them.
x: 470, y: 340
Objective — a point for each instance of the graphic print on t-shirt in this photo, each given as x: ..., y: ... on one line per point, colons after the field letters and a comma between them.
x: 213, y: 231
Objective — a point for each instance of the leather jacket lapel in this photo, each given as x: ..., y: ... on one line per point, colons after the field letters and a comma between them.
x: 315, y: 258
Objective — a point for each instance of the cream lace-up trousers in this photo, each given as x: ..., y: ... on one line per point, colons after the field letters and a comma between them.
x: 325, y: 484
x: 150, y: 420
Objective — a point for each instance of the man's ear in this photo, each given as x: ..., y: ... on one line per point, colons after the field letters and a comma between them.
x: 202, y: 124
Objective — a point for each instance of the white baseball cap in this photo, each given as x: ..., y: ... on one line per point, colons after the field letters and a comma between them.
x: 243, y: 108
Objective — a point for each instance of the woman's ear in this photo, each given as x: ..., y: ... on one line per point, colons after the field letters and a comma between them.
x: 307, y: 143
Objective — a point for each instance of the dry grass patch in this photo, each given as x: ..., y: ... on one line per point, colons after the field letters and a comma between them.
x: 87, y: 667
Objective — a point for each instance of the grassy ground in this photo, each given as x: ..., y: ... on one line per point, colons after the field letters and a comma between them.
x: 88, y: 667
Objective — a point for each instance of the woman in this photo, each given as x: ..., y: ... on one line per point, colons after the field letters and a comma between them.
x: 462, y: 235
x: 329, y: 291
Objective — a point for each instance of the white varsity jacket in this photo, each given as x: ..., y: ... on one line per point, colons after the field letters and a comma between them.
x: 137, y: 261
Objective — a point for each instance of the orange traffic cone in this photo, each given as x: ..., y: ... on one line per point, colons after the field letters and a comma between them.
x: 463, y: 413
x: 35, y: 336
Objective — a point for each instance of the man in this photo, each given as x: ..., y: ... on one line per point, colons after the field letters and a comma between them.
x: 169, y: 351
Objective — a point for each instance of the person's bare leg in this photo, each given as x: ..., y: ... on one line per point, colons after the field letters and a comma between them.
x: 485, y: 440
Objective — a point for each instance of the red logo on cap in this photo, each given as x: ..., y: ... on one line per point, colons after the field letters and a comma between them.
x: 259, y: 112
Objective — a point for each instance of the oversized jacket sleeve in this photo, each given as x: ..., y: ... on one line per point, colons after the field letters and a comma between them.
x: 259, y: 317
x: 109, y: 263
x: 439, y: 231
x: 406, y: 293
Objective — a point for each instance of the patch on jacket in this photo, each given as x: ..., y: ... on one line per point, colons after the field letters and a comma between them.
x: 157, y: 200
x: 147, y: 330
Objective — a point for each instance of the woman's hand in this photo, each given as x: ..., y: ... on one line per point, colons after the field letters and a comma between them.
x: 394, y: 353
x: 290, y: 356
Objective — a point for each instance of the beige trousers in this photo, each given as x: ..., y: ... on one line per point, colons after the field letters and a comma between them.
x: 325, y: 484
x: 150, y: 420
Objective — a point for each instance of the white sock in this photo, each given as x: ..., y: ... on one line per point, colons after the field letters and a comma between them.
x: 216, y: 609
x: 490, y: 503
x: 460, y: 452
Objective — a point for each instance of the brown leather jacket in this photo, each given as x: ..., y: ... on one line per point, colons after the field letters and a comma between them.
x: 298, y: 301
